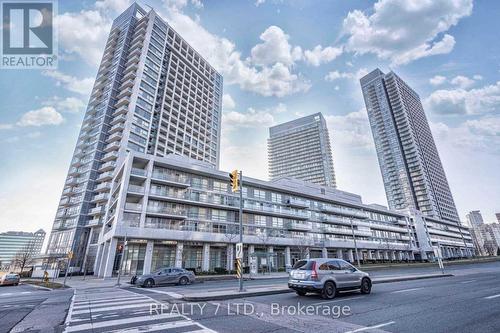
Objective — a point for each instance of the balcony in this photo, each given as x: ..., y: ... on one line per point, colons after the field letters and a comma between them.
x: 120, y: 111
x: 334, y: 220
x: 105, y: 176
x: 299, y: 226
x: 167, y: 212
x: 103, y: 187
x: 136, y: 207
x: 94, y: 222
x: 117, y: 128
x: 97, y: 211
x: 297, y: 203
x: 138, y: 172
x: 342, y: 211
x: 107, y: 166
x: 112, y: 146
x: 123, y: 101
x: 124, y: 93
x: 174, y: 180
x: 114, y: 137
x: 120, y: 119
x: 100, y: 197
x: 112, y: 155
x: 136, y: 189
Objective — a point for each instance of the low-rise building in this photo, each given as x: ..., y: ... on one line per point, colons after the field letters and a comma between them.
x: 180, y: 212
x: 19, y: 244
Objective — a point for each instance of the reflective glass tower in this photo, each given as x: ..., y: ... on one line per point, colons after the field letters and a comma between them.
x: 153, y: 94
x: 301, y: 149
x: 412, y: 172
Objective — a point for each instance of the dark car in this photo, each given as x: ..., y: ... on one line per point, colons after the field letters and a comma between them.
x: 169, y: 275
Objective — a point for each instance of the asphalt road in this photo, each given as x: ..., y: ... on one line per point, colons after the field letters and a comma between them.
x: 467, y: 302
x: 36, y: 308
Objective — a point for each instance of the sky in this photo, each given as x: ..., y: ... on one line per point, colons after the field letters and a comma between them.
x: 280, y: 60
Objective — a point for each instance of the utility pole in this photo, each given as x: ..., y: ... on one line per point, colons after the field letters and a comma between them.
x: 236, y: 180
x: 355, y: 244
x: 240, y: 215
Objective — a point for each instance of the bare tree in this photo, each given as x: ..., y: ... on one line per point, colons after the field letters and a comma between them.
x: 24, y: 257
x: 302, y: 244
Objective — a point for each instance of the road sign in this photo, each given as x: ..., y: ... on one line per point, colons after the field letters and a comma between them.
x: 239, y: 250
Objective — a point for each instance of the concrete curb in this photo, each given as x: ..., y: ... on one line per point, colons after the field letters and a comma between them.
x: 284, y: 290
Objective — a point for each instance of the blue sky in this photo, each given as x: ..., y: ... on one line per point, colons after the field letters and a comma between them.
x: 280, y: 60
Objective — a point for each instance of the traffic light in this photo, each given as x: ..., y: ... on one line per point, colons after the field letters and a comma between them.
x: 234, y: 177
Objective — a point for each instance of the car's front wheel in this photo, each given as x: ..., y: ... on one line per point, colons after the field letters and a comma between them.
x: 329, y: 290
x: 149, y: 283
x: 183, y: 281
x: 366, y: 286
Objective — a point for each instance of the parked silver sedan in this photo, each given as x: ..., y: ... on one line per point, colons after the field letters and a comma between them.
x: 327, y: 277
x: 167, y: 275
x: 9, y: 279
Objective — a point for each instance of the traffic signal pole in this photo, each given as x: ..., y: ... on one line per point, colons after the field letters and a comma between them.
x: 240, y: 185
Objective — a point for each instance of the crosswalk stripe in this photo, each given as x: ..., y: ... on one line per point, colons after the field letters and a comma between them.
x: 116, y: 307
x: 94, y: 305
x: 157, y: 327
x: 123, y: 298
x: 115, y: 322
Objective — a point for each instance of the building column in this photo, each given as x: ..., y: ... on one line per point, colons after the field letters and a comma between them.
x: 350, y: 256
x: 251, y: 249
x: 339, y: 254
x: 271, y: 264
x: 205, y: 264
x: 98, y: 257
x: 230, y: 257
x: 288, y: 258
x: 102, y: 261
x: 308, y: 253
x: 370, y: 255
x: 400, y: 255
x: 179, y: 249
x: 110, y: 258
x: 148, y: 257
x: 386, y: 255
x: 324, y: 252
x: 412, y: 256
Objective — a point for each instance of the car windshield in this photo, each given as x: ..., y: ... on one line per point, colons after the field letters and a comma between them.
x: 303, y: 265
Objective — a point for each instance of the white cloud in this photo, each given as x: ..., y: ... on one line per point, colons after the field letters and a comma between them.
x: 179, y: 5
x: 481, y: 134
x: 68, y: 104
x: 336, y: 75
x: 46, y: 115
x: 351, y: 130
x: 116, y: 6
x: 462, y: 81
x: 270, y: 80
x: 84, y: 33
x: 81, y: 86
x: 275, y: 48
x: 403, y: 31
x: 320, y: 55
x: 461, y: 101
x: 228, y: 102
x: 6, y: 126
x: 437, y: 80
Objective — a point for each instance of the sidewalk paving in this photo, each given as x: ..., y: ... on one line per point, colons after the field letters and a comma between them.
x: 223, y: 294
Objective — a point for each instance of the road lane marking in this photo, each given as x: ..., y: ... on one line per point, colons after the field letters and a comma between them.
x: 160, y: 327
x: 405, y: 290
x: 97, y: 305
x: 469, y: 281
x: 492, y: 296
x: 336, y: 300
x: 109, y: 308
x: 371, y: 327
x: 169, y: 293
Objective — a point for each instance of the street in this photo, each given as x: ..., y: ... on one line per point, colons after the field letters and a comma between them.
x: 23, y: 307
x: 469, y: 301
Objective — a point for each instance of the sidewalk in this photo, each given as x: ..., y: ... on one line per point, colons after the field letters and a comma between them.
x: 223, y: 294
